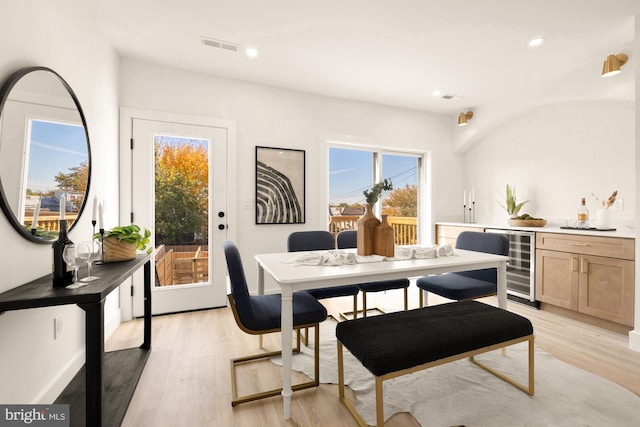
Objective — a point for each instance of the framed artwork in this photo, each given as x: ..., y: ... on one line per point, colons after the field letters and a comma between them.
x: 280, y: 181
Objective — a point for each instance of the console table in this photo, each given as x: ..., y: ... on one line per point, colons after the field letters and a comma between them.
x: 100, y: 393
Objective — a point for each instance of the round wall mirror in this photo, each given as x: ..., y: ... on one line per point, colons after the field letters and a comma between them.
x: 45, y: 159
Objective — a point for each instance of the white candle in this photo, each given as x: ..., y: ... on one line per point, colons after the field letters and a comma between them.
x: 100, y: 217
x: 473, y: 194
x: 95, y: 208
x: 469, y: 200
x: 464, y: 197
x: 36, y: 212
x: 63, y: 205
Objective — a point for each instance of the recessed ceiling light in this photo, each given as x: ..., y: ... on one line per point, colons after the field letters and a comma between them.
x: 536, y: 42
x: 252, y: 52
x: 436, y: 92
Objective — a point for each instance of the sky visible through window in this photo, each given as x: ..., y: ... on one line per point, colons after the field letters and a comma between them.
x: 351, y: 172
x: 54, y: 148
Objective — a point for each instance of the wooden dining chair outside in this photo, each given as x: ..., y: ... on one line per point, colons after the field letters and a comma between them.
x: 467, y: 284
x: 261, y: 314
x: 321, y: 240
x: 349, y: 239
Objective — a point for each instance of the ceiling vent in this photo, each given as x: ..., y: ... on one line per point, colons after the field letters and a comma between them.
x: 220, y: 44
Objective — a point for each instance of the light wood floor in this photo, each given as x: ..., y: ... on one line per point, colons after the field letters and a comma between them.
x: 186, y: 381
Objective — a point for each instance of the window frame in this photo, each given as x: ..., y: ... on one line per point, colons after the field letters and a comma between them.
x: 424, y: 193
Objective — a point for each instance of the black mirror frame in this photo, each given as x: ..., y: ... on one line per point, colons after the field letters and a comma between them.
x: 5, y: 89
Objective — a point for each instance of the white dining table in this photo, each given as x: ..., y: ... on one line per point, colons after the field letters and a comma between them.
x: 292, y: 277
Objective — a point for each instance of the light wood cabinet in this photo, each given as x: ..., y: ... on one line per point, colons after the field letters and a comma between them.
x: 588, y: 274
x: 449, y: 233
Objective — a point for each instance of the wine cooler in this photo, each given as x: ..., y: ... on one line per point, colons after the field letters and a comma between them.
x: 521, y: 265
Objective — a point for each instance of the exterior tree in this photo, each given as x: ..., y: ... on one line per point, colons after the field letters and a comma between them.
x: 402, y: 202
x: 75, y: 180
x: 182, y: 183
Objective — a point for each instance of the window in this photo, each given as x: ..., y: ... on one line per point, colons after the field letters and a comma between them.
x: 355, y: 169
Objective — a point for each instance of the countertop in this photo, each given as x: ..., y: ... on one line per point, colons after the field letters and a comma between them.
x: 621, y: 231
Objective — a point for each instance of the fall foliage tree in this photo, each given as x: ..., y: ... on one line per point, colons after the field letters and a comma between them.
x: 402, y: 202
x: 75, y: 180
x: 181, y: 192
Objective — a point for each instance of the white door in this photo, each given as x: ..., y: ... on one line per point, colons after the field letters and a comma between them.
x: 179, y: 192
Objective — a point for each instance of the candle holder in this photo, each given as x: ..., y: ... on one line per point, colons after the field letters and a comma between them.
x: 101, y: 260
x: 470, y: 217
x: 93, y: 223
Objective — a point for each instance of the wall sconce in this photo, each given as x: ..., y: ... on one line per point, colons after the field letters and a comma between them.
x: 612, y: 65
x: 464, y: 117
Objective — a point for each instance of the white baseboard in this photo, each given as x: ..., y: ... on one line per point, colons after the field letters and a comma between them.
x: 634, y: 340
x: 112, y: 323
x: 66, y: 374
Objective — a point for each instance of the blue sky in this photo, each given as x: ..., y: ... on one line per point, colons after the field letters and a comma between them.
x: 350, y: 172
x: 55, y: 147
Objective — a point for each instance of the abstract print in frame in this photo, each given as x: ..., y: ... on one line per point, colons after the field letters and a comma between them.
x: 280, y: 196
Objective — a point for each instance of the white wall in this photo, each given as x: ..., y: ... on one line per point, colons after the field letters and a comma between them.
x: 60, y: 35
x: 269, y: 116
x: 554, y: 155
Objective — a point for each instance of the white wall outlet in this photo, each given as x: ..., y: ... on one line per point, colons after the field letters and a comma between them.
x: 57, y: 327
x: 618, y: 205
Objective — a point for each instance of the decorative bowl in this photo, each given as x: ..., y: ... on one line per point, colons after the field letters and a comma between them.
x: 527, y: 222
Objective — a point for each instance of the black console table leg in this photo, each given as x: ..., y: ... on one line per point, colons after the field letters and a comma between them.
x: 94, y: 335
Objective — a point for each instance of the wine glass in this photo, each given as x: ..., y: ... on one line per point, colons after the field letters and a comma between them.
x: 88, y: 251
x: 70, y: 257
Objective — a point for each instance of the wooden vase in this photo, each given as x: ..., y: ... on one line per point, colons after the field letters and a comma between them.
x: 115, y: 250
x: 366, y: 231
x: 384, y: 240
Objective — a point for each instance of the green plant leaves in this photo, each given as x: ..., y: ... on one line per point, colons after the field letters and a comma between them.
x: 130, y: 234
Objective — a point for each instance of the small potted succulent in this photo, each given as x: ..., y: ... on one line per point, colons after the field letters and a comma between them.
x: 122, y: 243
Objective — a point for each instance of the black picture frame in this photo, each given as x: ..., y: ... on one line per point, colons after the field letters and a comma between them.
x: 280, y: 185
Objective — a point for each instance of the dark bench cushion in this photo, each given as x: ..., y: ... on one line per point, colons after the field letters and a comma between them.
x: 402, y: 340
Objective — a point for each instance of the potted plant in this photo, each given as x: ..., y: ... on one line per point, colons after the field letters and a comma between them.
x: 121, y: 243
x: 511, y: 205
x: 368, y: 222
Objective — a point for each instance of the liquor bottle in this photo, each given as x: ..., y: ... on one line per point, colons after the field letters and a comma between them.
x: 62, y: 276
x: 583, y: 215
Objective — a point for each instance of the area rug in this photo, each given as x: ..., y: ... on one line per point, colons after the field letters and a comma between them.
x: 461, y: 393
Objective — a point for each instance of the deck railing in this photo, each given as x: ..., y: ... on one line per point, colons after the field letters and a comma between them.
x: 405, y: 228
x: 179, y: 265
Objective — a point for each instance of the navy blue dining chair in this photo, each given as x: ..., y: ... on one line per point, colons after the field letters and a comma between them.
x: 261, y: 314
x: 349, y: 239
x: 321, y: 240
x: 467, y: 284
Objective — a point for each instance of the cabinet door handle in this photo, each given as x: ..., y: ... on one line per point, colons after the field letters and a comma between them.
x: 584, y: 266
x: 574, y: 263
x: 578, y: 244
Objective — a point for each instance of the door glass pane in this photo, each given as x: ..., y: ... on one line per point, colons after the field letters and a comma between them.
x: 401, y: 204
x: 181, y: 210
x: 350, y: 173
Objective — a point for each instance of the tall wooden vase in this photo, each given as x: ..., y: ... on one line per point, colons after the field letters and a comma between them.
x: 384, y: 240
x: 366, y: 231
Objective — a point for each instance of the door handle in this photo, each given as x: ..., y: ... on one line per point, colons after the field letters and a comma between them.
x: 574, y: 263
x: 221, y: 214
x: 584, y: 267
x: 221, y: 226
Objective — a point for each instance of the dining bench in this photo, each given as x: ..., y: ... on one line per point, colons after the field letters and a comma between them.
x: 395, y: 344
